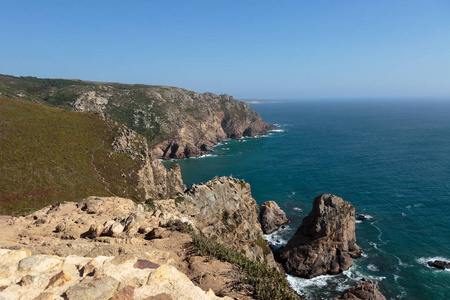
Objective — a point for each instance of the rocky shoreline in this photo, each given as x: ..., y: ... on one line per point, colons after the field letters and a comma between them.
x: 142, y: 250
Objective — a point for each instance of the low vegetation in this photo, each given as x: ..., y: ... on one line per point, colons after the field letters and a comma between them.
x: 49, y: 155
x: 268, y: 284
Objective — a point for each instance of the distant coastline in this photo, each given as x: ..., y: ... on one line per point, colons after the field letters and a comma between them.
x: 257, y: 101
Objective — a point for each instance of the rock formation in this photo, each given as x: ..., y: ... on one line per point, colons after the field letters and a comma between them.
x: 325, y: 242
x: 27, y: 276
x: 366, y: 290
x: 153, y: 179
x: 224, y: 210
x: 176, y: 122
x: 271, y: 216
x: 439, y: 264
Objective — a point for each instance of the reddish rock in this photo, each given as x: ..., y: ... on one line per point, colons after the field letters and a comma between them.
x: 325, y: 242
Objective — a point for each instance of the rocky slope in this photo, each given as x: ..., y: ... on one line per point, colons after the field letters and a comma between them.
x: 50, y: 155
x: 112, y: 239
x: 177, y: 123
x: 325, y: 242
x: 26, y: 276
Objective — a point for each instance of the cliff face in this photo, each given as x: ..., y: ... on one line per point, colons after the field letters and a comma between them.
x: 224, y: 210
x: 176, y: 122
x: 153, y: 179
x: 325, y: 242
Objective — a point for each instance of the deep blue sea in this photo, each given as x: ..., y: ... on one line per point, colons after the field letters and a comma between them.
x: 390, y: 159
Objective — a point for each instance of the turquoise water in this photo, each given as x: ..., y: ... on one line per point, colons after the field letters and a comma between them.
x: 390, y: 159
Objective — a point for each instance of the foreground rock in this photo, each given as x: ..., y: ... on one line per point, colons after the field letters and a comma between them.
x: 366, y: 290
x: 222, y: 209
x: 439, y: 264
x: 109, y: 226
x: 26, y: 276
x: 271, y: 217
x: 325, y: 242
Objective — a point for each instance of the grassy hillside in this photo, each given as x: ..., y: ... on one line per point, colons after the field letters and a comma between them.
x: 48, y: 155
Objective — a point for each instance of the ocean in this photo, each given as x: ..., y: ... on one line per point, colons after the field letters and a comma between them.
x: 390, y: 159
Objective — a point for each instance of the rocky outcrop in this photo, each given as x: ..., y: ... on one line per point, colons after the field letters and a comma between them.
x: 271, y: 217
x: 366, y: 290
x: 223, y: 209
x: 439, y: 264
x: 325, y: 242
x: 27, y: 276
x: 177, y: 123
x: 141, y: 236
x: 154, y: 180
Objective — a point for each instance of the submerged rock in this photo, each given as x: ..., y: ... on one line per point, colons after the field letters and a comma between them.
x: 361, y: 217
x: 271, y: 217
x: 325, y: 242
x: 366, y: 290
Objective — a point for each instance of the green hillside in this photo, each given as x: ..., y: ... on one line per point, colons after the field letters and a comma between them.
x: 49, y: 155
x: 164, y: 115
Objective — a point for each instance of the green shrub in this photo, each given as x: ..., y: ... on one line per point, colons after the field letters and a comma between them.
x: 179, y: 199
x: 225, y: 215
x: 268, y: 284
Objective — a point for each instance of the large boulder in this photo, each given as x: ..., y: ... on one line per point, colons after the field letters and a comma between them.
x: 366, y: 290
x: 271, y: 217
x: 325, y: 242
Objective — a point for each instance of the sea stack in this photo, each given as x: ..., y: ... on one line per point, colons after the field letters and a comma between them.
x: 271, y: 217
x: 325, y: 242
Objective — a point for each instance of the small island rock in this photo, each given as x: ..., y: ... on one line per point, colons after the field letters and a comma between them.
x: 366, y: 290
x: 325, y: 242
x: 439, y: 264
x: 271, y: 216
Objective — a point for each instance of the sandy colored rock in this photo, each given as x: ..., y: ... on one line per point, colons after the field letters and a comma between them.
x: 224, y: 210
x: 271, y: 216
x: 89, y: 288
x: 129, y: 257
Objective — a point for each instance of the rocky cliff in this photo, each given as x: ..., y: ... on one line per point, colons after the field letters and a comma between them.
x: 176, y: 122
x: 325, y: 242
x: 224, y: 210
x: 133, y: 241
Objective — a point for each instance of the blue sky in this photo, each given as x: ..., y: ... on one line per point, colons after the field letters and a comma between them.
x: 249, y: 49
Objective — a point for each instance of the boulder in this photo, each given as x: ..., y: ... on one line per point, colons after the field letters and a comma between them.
x: 366, y: 290
x: 439, y: 264
x: 271, y: 217
x: 325, y: 242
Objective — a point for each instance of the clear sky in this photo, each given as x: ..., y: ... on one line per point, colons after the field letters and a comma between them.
x: 307, y: 49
